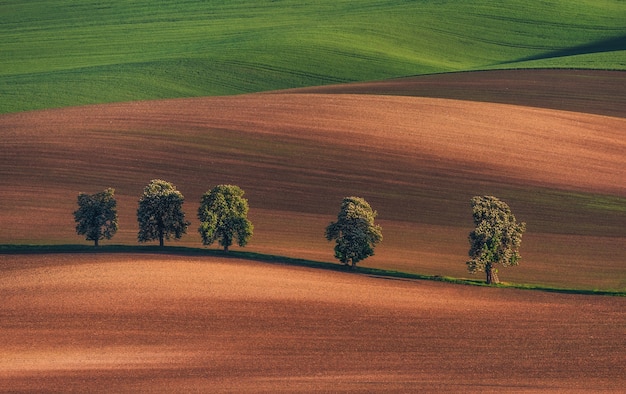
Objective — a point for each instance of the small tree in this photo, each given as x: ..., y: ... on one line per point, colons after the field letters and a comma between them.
x: 96, y: 217
x: 160, y: 213
x: 496, y: 238
x: 354, y: 232
x: 223, y: 216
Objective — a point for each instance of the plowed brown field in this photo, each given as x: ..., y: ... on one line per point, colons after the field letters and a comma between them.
x: 418, y: 161
x: 156, y: 323
x: 142, y: 323
x: 588, y: 91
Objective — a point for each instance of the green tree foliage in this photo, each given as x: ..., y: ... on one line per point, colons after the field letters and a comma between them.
x: 496, y: 238
x: 223, y: 216
x: 354, y: 232
x: 160, y: 214
x: 96, y: 217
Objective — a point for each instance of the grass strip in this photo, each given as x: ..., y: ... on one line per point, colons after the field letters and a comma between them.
x: 8, y: 249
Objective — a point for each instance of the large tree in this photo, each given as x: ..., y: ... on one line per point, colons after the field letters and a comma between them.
x: 223, y: 216
x: 496, y: 238
x: 160, y: 213
x: 354, y: 232
x: 96, y: 216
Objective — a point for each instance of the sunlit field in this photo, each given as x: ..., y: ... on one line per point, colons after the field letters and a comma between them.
x: 156, y: 323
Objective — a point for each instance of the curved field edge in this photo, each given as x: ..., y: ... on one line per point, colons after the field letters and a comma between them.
x: 67, y: 53
x: 9, y: 249
x: 586, y: 91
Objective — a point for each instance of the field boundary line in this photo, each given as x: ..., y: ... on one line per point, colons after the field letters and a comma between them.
x: 31, y: 249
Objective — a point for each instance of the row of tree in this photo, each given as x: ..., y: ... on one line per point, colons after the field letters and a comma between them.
x: 223, y: 218
x: 223, y: 215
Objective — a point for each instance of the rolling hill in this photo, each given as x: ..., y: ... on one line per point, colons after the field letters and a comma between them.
x: 155, y: 323
x: 414, y: 105
x: 418, y: 161
x: 70, y: 52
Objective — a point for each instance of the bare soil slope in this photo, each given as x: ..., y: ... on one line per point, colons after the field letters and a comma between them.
x: 588, y: 91
x: 418, y: 162
x: 142, y: 323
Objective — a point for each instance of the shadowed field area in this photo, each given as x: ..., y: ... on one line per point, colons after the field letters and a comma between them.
x: 150, y: 323
x: 587, y: 91
x: 418, y: 162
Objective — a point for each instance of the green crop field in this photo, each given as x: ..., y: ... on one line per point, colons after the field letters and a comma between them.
x: 70, y: 52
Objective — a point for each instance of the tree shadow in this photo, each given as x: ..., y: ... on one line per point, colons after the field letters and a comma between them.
x: 9, y: 249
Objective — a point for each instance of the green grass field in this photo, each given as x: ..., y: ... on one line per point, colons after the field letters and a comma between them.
x: 69, y: 52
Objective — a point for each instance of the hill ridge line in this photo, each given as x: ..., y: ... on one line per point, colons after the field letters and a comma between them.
x: 34, y: 249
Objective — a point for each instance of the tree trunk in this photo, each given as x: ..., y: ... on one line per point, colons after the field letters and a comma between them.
x: 95, y: 242
x: 226, y: 248
x: 161, y: 238
x: 492, y: 275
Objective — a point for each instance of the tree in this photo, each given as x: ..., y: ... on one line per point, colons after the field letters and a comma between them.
x: 223, y: 216
x: 96, y: 217
x: 160, y: 214
x: 496, y: 238
x: 354, y: 232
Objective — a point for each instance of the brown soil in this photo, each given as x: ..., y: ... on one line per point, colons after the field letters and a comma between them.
x: 418, y: 162
x: 502, y: 142
x: 141, y: 323
x: 588, y: 91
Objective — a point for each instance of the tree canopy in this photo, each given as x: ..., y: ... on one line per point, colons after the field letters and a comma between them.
x: 223, y: 216
x: 354, y: 232
x: 96, y: 216
x: 160, y: 214
x: 496, y: 238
